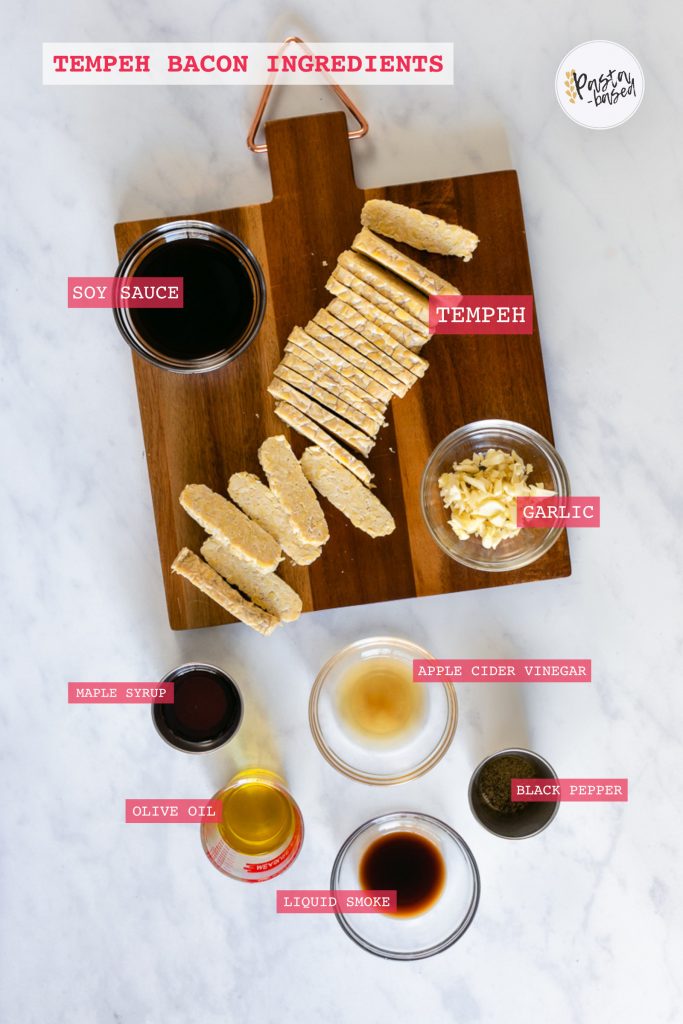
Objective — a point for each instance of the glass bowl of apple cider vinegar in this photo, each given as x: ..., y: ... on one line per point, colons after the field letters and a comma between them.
x: 261, y: 830
x: 369, y: 719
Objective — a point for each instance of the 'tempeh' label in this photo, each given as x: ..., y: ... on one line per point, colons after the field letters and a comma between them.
x: 481, y: 314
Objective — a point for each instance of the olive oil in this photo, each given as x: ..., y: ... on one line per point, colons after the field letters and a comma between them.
x: 378, y: 700
x: 260, y: 832
x: 258, y: 818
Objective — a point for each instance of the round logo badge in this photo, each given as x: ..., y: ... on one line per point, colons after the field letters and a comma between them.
x: 599, y: 84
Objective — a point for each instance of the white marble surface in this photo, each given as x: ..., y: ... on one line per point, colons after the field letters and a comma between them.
x: 102, y: 922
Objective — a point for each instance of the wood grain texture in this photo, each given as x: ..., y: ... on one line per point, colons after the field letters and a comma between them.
x: 201, y: 428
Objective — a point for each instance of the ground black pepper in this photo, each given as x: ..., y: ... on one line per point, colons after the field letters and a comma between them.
x: 495, y: 779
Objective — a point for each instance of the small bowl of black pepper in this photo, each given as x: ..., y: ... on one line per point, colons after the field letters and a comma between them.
x: 490, y: 794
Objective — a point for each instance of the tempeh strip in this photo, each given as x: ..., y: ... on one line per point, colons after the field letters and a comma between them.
x: 345, y: 332
x: 355, y: 438
x: 314, y: 351
x: 377, y: 249
x: 421, y: 230
x: 292, y: 489
x: 334, y: 382
x: 321, y: 328
x: 409, y: 361
x: 399, y: 332
x: 295, y: 419
x: 347, y: 494
x: 204, y: 578
x: 371, y: 425
x: 223, y: 520
x: 388, y: 306
x: 392, y: 287
x: 258, y: 501
x: 267, y: 590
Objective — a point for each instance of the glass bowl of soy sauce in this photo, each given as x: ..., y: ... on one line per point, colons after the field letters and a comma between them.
x: 433, y: 872
x: 224, y: 297
x: 206, y: 711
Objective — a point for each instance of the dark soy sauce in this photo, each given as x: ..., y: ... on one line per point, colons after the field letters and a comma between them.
x: 408, y: 863
x: 206, y: 710
x: 218, y: 299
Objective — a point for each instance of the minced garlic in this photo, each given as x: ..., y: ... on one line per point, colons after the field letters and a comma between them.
x: 481, y: 495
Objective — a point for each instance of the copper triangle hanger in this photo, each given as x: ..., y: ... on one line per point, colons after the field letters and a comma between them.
x: 357, y: 133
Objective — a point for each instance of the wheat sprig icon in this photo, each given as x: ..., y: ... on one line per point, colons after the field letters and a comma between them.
x: 570, y: 85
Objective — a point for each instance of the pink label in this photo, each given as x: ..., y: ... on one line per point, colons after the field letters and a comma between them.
x: 569, y: 790
x: 344, y: 901
x: 542, y: 513
x: 481, y: 314
x: 173, y: 810
x: 125, y: 293
x: 502, y: 670
x: 120, y: 693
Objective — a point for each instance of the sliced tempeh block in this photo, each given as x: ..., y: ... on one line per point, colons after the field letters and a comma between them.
x: 370, y: 425
x: 399, y: 332
x: 347, y: 494
x: 392, y: 287
x: 328, y: 378
x: 259, y: 502
x: 421, y: 230
x: 292, y: 489
x: 265, y: 589
x: 314, y: 351
x: 223, y: 520
x: 345, y: 332
x: 330, y: 360
x: 348, y: 433
x: 380, y: 251
x: 410, y: 361
x: 295, y: 419
x: 320, y: 329
x: 354, y: 283
x: 199, y: 574
x: 342, y: 324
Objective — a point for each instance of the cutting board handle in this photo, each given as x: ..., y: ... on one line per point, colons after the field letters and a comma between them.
x: 356, y: 133
x: 302, y: 149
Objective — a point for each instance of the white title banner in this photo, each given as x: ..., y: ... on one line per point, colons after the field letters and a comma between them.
x: 247, y: 63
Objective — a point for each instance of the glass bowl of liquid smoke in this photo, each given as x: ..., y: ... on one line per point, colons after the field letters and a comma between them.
x: 369, y: 719
x: 433, y: 872
x: 260, y: 832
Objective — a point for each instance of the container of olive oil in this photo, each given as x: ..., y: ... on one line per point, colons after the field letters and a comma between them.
x: 260, y: 831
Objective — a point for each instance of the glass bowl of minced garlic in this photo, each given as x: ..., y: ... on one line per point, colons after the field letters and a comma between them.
x: 469, y: 493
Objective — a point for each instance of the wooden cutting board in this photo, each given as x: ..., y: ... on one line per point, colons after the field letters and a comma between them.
x: 201, y: 428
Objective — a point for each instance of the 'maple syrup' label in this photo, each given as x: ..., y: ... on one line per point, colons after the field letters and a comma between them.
x: 121, y: 693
